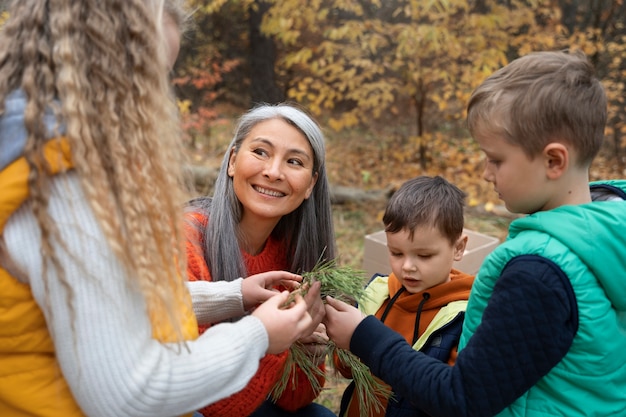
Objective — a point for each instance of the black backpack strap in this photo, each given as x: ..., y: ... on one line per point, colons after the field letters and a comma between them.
x: 345, y: 399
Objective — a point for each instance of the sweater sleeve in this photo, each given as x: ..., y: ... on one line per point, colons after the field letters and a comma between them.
x: 100, y: 329
x: 216, y: 301
x: 527, y: 328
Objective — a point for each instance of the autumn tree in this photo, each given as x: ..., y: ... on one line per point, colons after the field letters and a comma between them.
x: 205, y: 62
x: 598, y: 28
x: 405, y: 63
x: 263, y: 87
x: 415, y: 60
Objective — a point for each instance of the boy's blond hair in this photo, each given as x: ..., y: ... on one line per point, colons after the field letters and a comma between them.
x: 540, y: 98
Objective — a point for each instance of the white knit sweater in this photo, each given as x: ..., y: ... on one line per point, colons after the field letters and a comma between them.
x: 102, y: 333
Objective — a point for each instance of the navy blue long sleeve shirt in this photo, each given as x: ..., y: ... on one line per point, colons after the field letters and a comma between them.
x: 527, y: 328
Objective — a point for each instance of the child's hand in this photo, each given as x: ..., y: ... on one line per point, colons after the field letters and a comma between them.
x: 284, y: 325
x: 341, y: 320
x: 257, y: 288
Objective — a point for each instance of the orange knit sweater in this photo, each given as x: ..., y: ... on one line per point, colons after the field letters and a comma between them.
x: 243, y: 403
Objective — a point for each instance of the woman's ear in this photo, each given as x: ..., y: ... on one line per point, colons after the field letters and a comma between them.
x: 231, y: 162
x: 556, y: 157
x: 311, y: 186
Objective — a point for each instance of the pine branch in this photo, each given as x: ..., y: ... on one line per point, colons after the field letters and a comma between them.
x: 346, y: 284
x: 341, y: 282
x: 298, y: 358
x: 368, y: 389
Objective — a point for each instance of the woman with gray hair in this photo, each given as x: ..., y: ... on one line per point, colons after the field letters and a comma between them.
x: 270, y: 210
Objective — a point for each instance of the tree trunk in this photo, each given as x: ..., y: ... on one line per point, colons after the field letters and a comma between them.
x: 263, y: 88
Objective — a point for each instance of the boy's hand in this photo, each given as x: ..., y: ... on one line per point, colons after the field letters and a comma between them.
x: 284, y: 325
x: 255, y: 289
x: 341, y: 320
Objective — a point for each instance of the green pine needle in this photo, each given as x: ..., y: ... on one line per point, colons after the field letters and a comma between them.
x: 341, y: 282
x: 346, y: 284
x: 368, y: 389
x: 298, y: 357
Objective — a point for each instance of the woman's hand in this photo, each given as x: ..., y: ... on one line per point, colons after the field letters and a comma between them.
x: 316, y: 344
x: 258, y: 288
x: 341, y: 321
x: 315, y: 305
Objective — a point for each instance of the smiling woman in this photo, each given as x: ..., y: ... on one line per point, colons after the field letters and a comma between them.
x: 270, y: 210
x: 272, y: 173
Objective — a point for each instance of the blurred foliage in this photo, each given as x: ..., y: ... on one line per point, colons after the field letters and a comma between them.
x: 389, y: 78
x: 406, y: 64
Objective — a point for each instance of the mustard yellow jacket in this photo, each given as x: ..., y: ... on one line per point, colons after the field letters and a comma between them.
x: 31, y: 381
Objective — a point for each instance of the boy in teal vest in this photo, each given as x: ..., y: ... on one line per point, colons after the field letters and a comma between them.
x: 424, y: 298
x: 545, y: 327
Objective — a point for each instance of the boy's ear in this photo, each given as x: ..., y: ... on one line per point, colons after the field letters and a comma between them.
x: 556, y: 156
x: 459, y: 247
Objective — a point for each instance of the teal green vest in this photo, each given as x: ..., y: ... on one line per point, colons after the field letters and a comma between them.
x: 591, y: 379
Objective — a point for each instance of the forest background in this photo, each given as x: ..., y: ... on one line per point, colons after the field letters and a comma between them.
x: 388, y: 81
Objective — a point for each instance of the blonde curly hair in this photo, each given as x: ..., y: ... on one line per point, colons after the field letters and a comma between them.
x: 100, y: 65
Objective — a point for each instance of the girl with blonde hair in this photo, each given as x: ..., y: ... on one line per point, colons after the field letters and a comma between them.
x: 96, y: 317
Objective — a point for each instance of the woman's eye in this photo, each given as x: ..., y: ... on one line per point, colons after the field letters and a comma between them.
x: 296, y: 162
x: 259, y: 151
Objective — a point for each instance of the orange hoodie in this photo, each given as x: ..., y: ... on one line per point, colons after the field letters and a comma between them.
x: 404, y: 311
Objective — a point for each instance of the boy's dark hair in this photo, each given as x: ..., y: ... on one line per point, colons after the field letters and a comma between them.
x: 540, y: 98
x: 426, y: 201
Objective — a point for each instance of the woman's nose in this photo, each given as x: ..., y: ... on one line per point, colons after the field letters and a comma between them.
x: 273, y: 170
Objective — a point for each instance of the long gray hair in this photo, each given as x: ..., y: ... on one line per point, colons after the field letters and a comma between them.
x: 307, y: 232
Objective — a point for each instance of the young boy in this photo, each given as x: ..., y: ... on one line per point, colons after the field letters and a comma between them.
x: 423, y: 298
x: 545, y: 327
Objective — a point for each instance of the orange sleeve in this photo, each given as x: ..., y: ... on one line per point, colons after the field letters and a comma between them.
x: 244, y: 402
x: 453, y: 354
x: 341, y: 367
x: 197, y: 268
x: 300, y: 392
